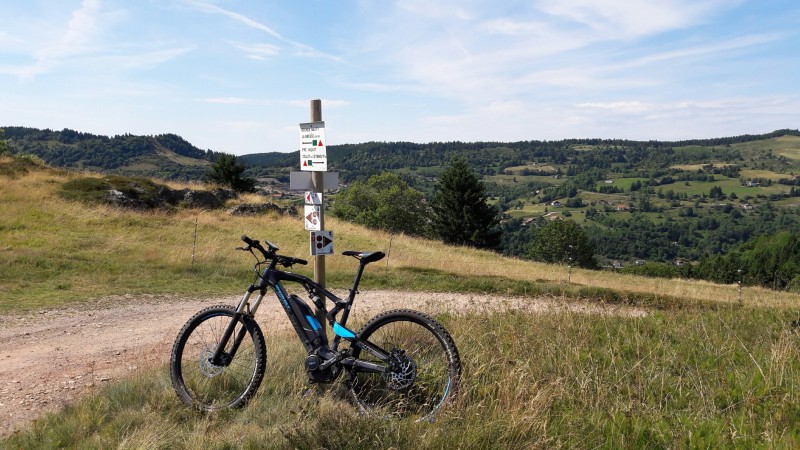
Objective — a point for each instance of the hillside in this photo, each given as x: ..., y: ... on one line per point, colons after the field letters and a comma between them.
x: 664, y: 202
x: 554, y: 359
x: 165, y: 156
x: 59, y: 241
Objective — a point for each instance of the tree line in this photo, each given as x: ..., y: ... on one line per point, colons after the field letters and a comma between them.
x: 77, y: 150
x: 458, y: 213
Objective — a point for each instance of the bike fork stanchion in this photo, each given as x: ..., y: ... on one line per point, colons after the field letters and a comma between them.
x: 229, y: 331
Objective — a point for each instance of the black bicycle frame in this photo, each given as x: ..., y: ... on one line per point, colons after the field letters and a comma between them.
x: 301, y: 318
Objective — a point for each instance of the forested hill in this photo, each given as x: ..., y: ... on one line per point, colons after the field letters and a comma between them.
x: 165, y: 156
x: 360, y: 161
x: 638, y: 200
x: 169, y: 156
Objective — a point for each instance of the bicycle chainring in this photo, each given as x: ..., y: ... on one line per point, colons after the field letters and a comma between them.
x: 402, y: 371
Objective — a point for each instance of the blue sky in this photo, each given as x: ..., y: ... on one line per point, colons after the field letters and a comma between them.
x: 237, y: 76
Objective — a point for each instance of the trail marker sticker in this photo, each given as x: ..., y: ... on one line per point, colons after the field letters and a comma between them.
x: 313, y: 198
x: 321, y: 243
x: 313, y: 148
x: 312, y: 217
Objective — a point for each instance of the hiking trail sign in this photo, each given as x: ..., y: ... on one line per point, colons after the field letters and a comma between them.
x: 313, y: 198
x: 313, y: 148
x: 321, y: 243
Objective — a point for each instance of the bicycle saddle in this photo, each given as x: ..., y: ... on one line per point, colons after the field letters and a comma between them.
x: 365, y: 257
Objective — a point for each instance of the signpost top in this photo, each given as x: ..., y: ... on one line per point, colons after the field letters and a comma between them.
x: 313, y: 148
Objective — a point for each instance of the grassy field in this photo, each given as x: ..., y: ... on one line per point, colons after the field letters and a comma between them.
x: 55, y: 252
x: 690, y: 379
x: 698, y: 370
x: 728, y: 186
x: 788, y: 146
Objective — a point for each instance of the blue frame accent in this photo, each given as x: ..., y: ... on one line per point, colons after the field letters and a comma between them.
x: 342, y: 331
x: 313, y: 322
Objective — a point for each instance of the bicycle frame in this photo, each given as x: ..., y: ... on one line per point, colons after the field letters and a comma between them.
x: 299, y: 315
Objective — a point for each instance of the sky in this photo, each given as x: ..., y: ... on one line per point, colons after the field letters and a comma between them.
x: 238, y: 76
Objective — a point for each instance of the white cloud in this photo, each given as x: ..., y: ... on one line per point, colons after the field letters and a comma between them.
x: 486, y: 53
x: 437, y: 10
x: 214, y: 9
x: 142, y: 60
x: 633, y: 18
x: 300, y: 48
x: 624, y: 107
x: 259, y: 52
x: 705, y: 50
x: 78, y: 38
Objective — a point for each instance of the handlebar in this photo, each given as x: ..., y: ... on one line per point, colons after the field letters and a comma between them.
x: 269, y: 253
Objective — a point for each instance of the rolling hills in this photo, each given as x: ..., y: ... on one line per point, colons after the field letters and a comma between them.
x: 696, y: 369
x: 639, y: 201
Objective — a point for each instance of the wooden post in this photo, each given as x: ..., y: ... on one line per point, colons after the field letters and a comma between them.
x: 316, y: 180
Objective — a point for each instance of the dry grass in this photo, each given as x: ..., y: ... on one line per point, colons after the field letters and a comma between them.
x: 712, y: 379
x: 709, y: 377
x: 56, y: 251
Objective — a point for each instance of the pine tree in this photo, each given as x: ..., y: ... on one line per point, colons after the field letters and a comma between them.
x: 227, y: 173
x: 461, y: 214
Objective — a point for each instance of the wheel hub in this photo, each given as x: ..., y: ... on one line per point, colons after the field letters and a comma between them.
x: 207, y: 368
x: 402, y: 371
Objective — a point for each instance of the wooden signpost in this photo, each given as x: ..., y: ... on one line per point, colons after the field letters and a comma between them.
x: 314, y: 178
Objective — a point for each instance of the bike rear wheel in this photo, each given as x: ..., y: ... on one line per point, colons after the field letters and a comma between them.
x: 424, y: 370
x: 200, y: 383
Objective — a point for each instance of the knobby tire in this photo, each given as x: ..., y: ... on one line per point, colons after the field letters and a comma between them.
x: 201, y: 384
x: 435, y: 357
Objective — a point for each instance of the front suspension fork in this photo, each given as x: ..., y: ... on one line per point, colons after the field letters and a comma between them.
x: 220, y: 357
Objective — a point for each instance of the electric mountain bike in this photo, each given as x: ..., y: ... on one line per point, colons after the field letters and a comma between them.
x: 402, y: 361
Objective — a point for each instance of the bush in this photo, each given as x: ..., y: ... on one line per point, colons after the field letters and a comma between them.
x: 20, y: 164
x: 137, y: 192
x: 88, y: 190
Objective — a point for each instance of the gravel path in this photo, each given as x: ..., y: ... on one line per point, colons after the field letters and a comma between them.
x: 53, y: 357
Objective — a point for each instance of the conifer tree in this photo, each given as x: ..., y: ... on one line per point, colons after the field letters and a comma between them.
x: 461, y: 214
x: 227, y: 173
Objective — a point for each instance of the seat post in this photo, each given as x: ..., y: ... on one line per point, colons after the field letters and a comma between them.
x: 357, y: 280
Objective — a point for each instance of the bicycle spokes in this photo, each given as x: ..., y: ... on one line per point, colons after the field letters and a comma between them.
x: 419, y: 372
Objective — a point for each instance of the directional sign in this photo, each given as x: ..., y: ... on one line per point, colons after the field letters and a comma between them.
x: 313, y: 198
x: 301, y: 181
x: 321, y: 243
x: 313, y: 148
x: 312, y: 218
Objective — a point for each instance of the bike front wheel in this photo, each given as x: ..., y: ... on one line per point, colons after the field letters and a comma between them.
x: 423, y: 370
x: 202, y: 384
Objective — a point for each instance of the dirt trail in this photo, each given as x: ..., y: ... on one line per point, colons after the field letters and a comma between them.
x: 51, y: 358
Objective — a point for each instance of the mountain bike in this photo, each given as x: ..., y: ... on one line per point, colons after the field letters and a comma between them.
x: 402, y: 361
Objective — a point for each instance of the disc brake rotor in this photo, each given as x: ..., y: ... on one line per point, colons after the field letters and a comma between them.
x: 402, y: 371
x: 207, y: 368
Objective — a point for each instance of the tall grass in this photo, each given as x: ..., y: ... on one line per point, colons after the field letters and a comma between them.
x: 54, y: 252
x: 727, y: 378
x: 698, y: 371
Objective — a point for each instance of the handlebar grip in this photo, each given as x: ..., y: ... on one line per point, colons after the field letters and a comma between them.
x: 301, y: 261
x: 247, y: 240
